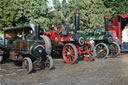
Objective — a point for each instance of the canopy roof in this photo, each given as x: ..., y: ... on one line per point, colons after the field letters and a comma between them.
x: 124, y: 15
x: 17, y: 28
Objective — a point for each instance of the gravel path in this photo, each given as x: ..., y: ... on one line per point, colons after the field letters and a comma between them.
x: 111, y: 71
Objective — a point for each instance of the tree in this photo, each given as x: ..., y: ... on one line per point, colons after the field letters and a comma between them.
x: 57, y: 18
x: 57, y: 5
x: 91, y: 12
x: 22, y: 12
x: 119, y: 6
x: 3, y: 15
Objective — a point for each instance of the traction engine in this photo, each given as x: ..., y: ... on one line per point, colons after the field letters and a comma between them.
x: 70, y: 43
x: 103, y: 41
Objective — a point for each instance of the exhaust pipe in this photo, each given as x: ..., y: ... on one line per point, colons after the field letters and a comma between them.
x: 106, y: 24
x: 37, y: 31
x: 77, y: 21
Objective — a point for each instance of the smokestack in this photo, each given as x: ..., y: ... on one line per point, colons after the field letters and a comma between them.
x: 77, y: 21
x: 38, y: 31
x: 106, y: 23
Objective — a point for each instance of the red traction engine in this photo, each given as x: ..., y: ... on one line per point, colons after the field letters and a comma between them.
x: 71, y: 43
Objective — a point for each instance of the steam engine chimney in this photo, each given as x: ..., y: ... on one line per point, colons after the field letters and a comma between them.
x: 38, y: 31
x: 77, y: 21
x: 106, y: 23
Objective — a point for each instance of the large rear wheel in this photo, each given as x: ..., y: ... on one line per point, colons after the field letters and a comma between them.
x: 47, y: 44
x: 88, y: 53
x: 70, y: 53
x: 102, y: 50
x: 27, y: 65
x: 114, y: 49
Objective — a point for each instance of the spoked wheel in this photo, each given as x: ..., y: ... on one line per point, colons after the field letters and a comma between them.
x: 114, y: 49
x: 102, y: 50
x: 70, y: 53
x: 88, y: 53
x: 27, y: 65
x: 1, y: 56
x: 1, y: 59
x: 49, y: 62
x: 47, y: 44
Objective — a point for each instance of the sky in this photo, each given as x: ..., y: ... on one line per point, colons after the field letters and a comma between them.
x: 51, y: 3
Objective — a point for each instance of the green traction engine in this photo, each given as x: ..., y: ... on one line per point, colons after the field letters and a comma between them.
x: 104, y: 44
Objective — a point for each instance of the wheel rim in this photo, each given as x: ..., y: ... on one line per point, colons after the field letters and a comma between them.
x: 25, y: 65
x: 1, y: 58
x: 47, y: 44
x: 101, y: 51
x: 69, y: 54
x: 47, y: 63
x: 89, y: 52
x: 44, y: 45
x: 114, y: 49
x: 1, y: 52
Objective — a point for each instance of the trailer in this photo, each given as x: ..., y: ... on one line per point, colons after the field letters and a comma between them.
x: 119, y: 29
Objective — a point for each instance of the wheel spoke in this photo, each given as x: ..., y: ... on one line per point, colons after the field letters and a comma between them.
x: 70, y: 53
x: 101, y: 50
x: 89, y: 52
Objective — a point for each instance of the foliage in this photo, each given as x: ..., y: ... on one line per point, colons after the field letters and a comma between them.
x: 22, y: 12
x: 119, y: 6
x: 56, y: 15
x: 92, y: 12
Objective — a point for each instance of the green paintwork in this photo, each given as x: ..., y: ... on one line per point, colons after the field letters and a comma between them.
x: 17, y: 44
x: 95, y: 35
x: 26, y: 44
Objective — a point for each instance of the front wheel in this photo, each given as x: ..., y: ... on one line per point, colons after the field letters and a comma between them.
x: 1, y: 59
x: 102, y: 50
x: 114, y: 49
x: 49, y: 62
x: 1, y: 56
x: 27, y: 65
x: 88, y: 52
x: 70, y: 53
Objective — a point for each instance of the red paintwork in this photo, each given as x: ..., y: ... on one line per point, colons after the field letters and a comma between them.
x: 25, y: 65
x: 69, y: 54
x: 56, y: 36
x: 87, y: 52
x: 115, y: 27
x: 81, y: 49
x: 114, y: 34
x: 13, y: 55
x: 124, y: 15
